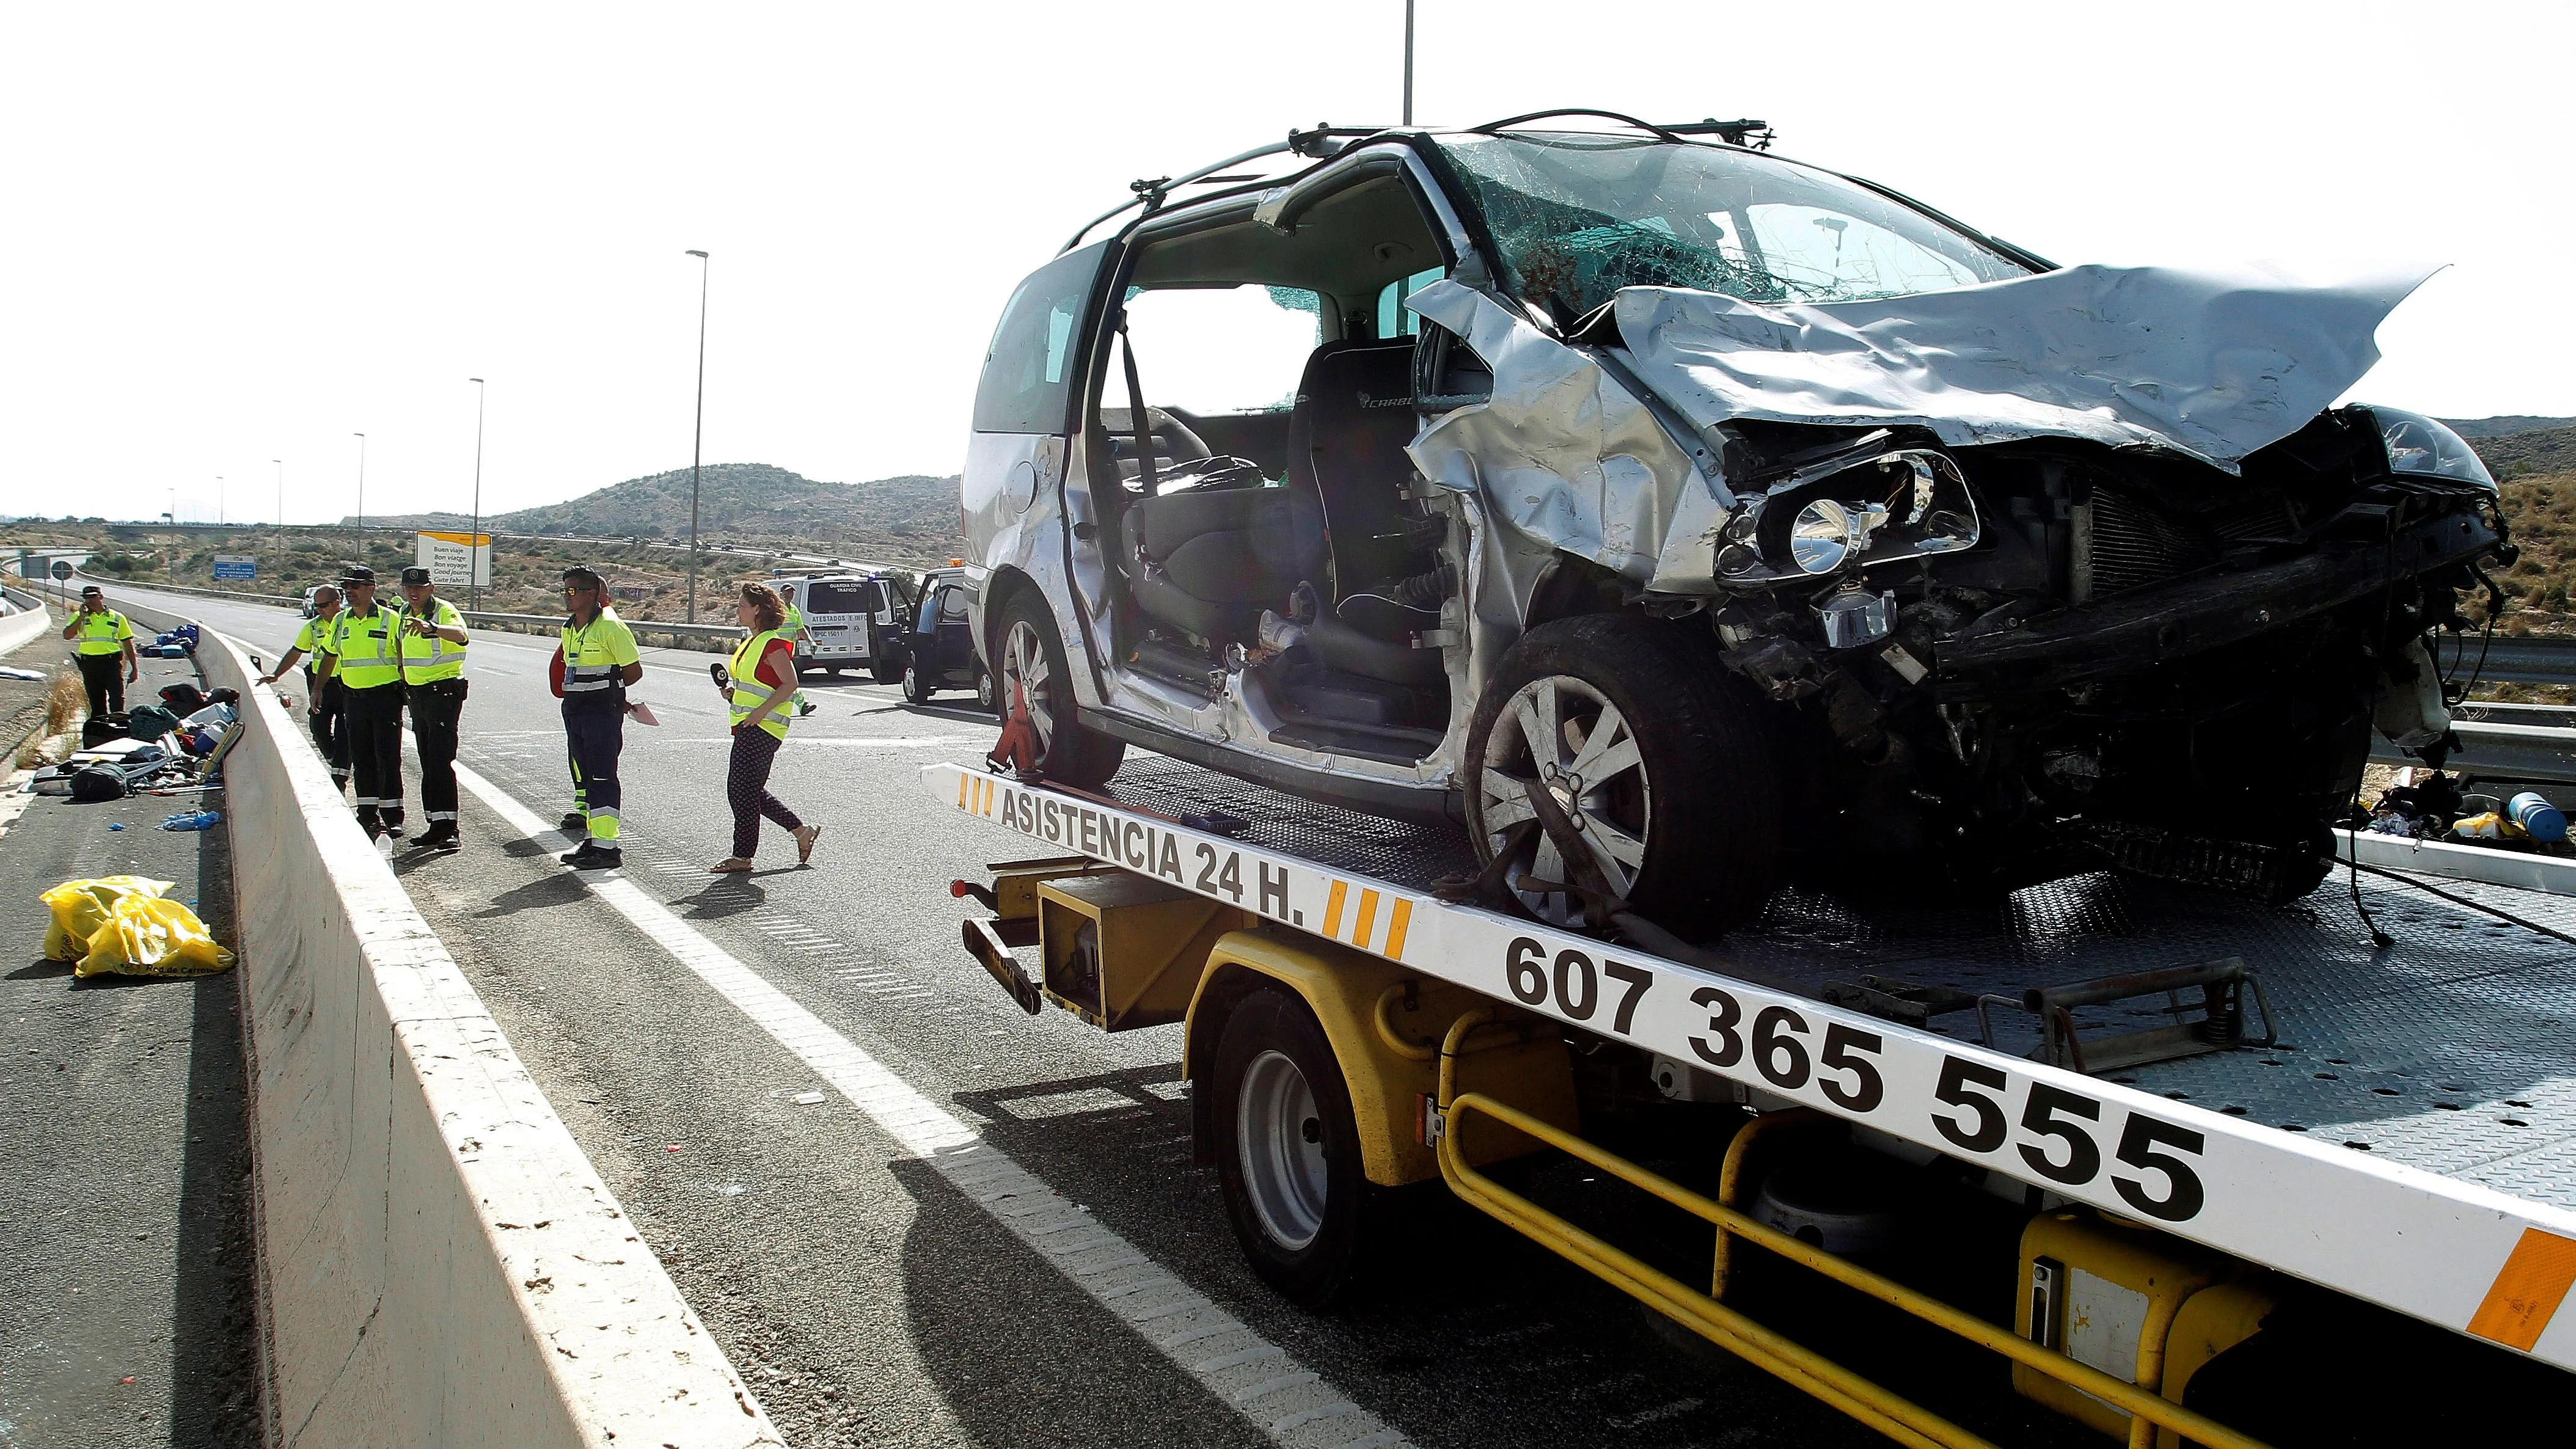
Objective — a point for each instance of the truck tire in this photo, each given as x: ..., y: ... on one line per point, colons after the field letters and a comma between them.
x: 1288, y: 1150
x: 916, y: 685
x: 1683, y: 807
x: 1032, y: 662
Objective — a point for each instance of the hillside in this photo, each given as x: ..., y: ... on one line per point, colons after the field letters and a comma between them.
x: 2518, y: 455
x: 909, y: 519
x: 2497, y: 427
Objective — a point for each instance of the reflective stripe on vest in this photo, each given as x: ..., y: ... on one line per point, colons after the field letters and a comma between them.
x: 747, y: 691
x: 429, y: 658
x: 366, y: 661
x: 98, y: 633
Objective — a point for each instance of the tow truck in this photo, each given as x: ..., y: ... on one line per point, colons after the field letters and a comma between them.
x: 2191, y: 1169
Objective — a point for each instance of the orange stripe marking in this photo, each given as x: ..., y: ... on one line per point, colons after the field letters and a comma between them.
x: 1333, y: 911
x: 1395, y: 925
x: 2534, y: 1282
x: 1368, y: 919
x: 964, y: 783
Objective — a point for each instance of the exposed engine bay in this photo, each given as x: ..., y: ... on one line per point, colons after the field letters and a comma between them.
x: 2004, y: 652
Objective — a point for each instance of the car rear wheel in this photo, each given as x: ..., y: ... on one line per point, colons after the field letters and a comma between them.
x: 1662, y: 762
x: 1287, y: 1150
x: 916, y: 685
x: 1034, y: 671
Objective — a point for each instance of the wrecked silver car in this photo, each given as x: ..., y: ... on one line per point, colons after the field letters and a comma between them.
x: 1687, y: 520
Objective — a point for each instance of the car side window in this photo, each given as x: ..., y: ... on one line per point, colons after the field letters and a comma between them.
x: 1027, y: 385
x: 952, y: 605
x: 1238, y: 349
x: 1393, y: 318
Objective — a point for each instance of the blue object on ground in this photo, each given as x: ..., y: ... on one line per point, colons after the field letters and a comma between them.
x: 2539, y: 819
x: 117, y: 825
x: 198, y: 820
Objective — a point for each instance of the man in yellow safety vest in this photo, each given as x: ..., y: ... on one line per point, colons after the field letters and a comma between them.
x: 599, y: 660
x: 366, y: 657
x: 433, y: 675
x: 103, y: 643
x: 322, y: 702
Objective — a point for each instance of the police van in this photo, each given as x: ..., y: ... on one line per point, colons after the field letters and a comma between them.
x: 852, y: 620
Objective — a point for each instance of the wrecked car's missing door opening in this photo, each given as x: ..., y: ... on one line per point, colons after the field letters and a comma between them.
x: 1688, y: 520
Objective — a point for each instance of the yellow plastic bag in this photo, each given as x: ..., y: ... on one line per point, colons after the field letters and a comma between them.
x: 80, y: 907
x: 150, y: 936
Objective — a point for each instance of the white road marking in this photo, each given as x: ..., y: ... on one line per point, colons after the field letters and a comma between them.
x: 1297, y: 1408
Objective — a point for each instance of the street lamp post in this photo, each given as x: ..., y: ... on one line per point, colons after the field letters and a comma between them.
x: 1408, y: 62
x: 281, y: 516
x: 219, y: 498
x: 362, y: 495
x: 698, y: 447
x: 473, y: 537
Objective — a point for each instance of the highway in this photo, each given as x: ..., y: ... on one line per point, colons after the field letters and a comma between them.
x: 765, y: 1067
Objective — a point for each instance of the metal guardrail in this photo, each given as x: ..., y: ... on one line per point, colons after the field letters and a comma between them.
x: 714, y: 638
x: 2510, y: 661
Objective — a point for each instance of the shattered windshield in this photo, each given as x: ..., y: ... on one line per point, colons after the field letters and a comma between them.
x: 1579, y: 216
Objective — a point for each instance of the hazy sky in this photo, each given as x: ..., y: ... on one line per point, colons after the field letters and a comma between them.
x: 237, y: 233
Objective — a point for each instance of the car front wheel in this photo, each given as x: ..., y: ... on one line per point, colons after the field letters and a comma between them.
x: 1661, y: 761
x: 1034, y: 672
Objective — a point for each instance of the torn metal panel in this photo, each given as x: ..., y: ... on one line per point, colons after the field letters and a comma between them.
x: 2211, y: 364
x: 1563, y: 453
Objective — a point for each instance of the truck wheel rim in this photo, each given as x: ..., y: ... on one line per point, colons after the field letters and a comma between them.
x: 1564, y: 736
x: 1025, y: 676
x: 1280, y: 1138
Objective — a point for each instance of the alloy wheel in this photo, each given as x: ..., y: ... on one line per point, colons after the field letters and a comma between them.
x: 1563, y: 736
x: 1025, y: 676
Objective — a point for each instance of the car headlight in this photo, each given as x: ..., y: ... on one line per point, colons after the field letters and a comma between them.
x: 2419, y: 447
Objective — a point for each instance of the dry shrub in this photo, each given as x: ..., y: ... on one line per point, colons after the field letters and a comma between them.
x: 64, y: 702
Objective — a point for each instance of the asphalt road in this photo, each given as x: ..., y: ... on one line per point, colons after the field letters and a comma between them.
x: 874, y: 1298
x: 126, y: 1316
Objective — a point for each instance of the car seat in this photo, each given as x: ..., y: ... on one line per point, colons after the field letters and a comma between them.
x: 1346, y: 440
x: 1210, y: 559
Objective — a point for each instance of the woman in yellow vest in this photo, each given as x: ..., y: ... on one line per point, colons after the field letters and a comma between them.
x: 761, y: 682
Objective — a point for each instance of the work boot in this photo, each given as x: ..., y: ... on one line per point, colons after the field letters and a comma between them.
x: 574, y: 821
x: 441, y: 835
x: 594, y: 856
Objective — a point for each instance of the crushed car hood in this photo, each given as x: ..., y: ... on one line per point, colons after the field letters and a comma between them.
x: 2211, y: 364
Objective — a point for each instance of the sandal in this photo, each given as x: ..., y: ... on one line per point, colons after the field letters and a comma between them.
x: 806, y: 835
x: 730, y: 865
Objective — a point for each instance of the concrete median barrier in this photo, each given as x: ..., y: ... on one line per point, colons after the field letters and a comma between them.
x: 441, y: 1265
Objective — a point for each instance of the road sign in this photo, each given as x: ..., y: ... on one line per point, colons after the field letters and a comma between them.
x: 62, y: 568
x: 236, y: 566
x: 456, y: 560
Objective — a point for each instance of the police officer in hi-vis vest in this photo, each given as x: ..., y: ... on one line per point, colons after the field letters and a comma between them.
x: 322, y: 694
x: 103, y: 642
x: 599, y: 659
x: 366, y: 657
x: 433, y: 676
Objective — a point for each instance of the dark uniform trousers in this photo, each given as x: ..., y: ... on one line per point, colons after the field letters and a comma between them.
x: 595, y: 730
x: 330, y: 725
x: 435, y: 707
x: 104, y: 676
x: 374, y: 722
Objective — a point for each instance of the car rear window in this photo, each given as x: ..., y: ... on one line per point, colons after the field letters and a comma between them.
x: 1028, y: 373
x: 831, y: 598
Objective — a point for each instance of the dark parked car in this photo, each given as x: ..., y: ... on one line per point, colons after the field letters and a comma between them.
x: 939, y: 643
